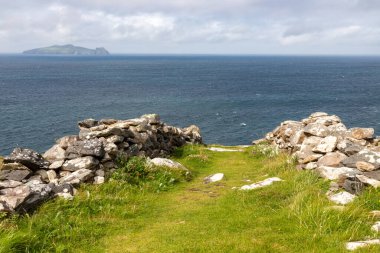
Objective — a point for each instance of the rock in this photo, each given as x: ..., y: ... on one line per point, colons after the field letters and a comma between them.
x: 259, y: 141
x: 311, y: 166
x: 13, y: 197
x: 318, y: 114
x: 87, y: 123
x: 316, y: 129
x: 213, y: 178
x: 9, y: 184
x: 51, y: 175
x: 311, y: 157
x: 361, y: 244
x: 307, y: 146
x: 87, y: 162
x: 77, y: 177
x: 14, y: 171
x: 164, y: 162
x: 63, y: 188
x: 353, y: 185
x: 361, y: 133
x: 66, y: 141
x: 54, y: 153
x: 27, y: 157
x: 224, y: 149
x: 331, y: 159
x: 349, y: 147
x: 260, y: 184
x: 333, y: 173
x: 368, y: 181
x: 342, y: 198
x: 91, y: 147
x: 115, y: 139
x: 364, y: 166
x: 56, y: 165
x: 43, y: 175
x: 98, y: 180
x: 152, y: 118
x: 327, y: 144
x: 107, y: 121
x: 365, y: 155
x: 376, y: 227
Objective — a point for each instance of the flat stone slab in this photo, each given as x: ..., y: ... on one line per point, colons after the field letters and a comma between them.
x: 333, y: 173
x: 342, y: 198
x: 214, y: 178
x: 361, y: 244
x: 260, y: 184
x: 224, y: 149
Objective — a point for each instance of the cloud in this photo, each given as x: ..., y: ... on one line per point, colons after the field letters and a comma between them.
x: 143, y: 26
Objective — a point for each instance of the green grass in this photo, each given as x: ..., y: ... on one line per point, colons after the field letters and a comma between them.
x: 289, y: 216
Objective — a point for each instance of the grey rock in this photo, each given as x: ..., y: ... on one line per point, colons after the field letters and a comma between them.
x: 353, y: 185
x: 77, y: 177
x: 14, y: 171
x: 66, y: 141
x: 326, y: 145
x: 333, y: 159
x: 316, y: 129
x: 9, y: 184
x: 361, y: 133
x: 91, y: 147
x: 87, y: 162
x: 54, y: 153
x: 87, y: 123
x: 56, y: 165
x: 364, y: 155
x: 27, y: 157
x: 333, y: 173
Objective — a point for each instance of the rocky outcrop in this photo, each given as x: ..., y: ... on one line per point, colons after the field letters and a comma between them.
x: 27, y: 178
x: 322, y: 142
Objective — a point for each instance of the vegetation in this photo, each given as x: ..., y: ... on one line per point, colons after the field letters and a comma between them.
x: 129, y: 215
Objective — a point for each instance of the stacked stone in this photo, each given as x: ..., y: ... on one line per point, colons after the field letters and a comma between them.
x: 28, y: 178
x: 322, y: 142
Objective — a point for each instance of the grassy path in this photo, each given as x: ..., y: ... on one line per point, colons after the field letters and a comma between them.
x: 289, y: 216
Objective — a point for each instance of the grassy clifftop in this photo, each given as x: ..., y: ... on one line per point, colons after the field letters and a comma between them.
x: 293, y: 215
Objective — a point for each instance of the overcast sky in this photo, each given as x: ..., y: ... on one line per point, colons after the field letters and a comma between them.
x: 194, y: 26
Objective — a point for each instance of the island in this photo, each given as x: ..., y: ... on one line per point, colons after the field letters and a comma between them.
x: 67, y: 50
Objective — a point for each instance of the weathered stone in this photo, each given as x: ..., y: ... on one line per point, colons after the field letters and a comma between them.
x: 342, y: 198
x: 63, y: 188
x: 51, y: 175
x: 91, y: 147
x: 311, y: 166
x: 349, y: 147
x: 43, y: 174
x: 107, y: 121
x: 77, y: 177
x: 115, y: 139
x: 14, y: 171
x: 365, y: 155
x: 353, y: 185
x: 310, y: 158
x: 54, y: 153
x: 376, y: 227
x: 326, y: 145
x: 214, y: 178
x: 361, y: 133
x: 260, y: 184
x: 338, y: 130
x: 164, y: 162
x: 360, y: 244
x: 66, y: 141
x: 365, y: 179
x: 9, y: 184
x: 87, y: 123
x: 316, y: 129
x: 87, y: 162
x: 27, y: 157
x: 331, y: 159
x: 56, y: 165
x: 333, y: 173
x: 99, y: 180
x: 364, y: 166
x: 307, y: 146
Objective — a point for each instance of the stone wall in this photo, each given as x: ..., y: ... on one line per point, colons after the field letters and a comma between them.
x: 27, y: 178
x: 323, y: 143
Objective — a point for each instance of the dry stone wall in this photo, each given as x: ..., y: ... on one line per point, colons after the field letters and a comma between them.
x: 28, y: 178
x: 323, y: 143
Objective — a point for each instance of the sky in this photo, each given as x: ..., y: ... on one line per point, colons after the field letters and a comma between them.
x: 312, y: 27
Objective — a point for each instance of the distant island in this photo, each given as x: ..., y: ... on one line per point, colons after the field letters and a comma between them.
x: 67, y: 50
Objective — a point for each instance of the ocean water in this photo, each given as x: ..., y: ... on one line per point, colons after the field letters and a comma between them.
x: 233, y: 99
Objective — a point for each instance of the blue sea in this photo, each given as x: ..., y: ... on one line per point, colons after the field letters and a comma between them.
x: 233, y: 99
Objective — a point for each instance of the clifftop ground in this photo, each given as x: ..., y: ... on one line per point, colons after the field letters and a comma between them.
x: 293, y: 215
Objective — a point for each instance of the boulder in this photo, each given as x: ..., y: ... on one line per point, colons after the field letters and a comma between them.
x: 92, y: 147
x: 87, y: 123
x: 54, y: 153
x: 361, y: 133
x: 353, y: 185
x: 333, y: 159
x: 66, y: 141
x: 316, y: 129
x: 87, y: 162
x: 9, y: 184
x: 360, y: 244
x: 77, y: 177
x: 365, y: 166
x: 365, y: 155
x: 365, y: 179
x: 327, y: 144
x: 261, y: 184
x: 333, y: 173
x: 27, y: 157
x: 56, y: 165
x: 14, y: 171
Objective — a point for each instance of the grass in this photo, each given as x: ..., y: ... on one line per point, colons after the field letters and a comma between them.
x: 289, y: 216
